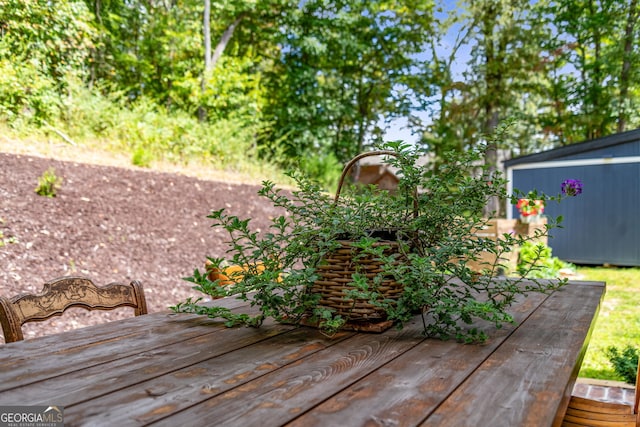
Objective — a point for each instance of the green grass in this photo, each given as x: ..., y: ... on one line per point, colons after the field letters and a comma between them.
x: 618, y: 323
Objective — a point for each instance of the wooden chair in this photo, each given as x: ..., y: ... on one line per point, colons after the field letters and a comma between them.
x: 60, y: 294
x: 587, y: 412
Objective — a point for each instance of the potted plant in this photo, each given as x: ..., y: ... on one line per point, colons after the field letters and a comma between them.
x: 393, y: 255
x: 530, y: 210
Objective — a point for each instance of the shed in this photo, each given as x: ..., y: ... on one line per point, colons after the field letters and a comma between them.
x: 599, y: 226
x: 374, y: 170
x: 380, y: 175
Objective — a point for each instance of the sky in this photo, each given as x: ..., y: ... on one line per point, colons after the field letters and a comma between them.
x: 398, y: 129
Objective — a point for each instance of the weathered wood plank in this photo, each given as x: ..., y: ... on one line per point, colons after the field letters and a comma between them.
x: 151, y: 400
x: 84, y: 346
x: 408, y: 388
x: 531, y: 375
x: 279, y: 396
x: 52, y: 354
x: 109, y: 330
x: 87, y: 382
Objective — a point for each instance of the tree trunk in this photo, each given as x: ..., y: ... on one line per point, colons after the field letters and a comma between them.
x: 224, y: 40
x: 625, y: 73
x: 492, y: 208
x: 597, y: 129
x: 210, y: 60
x: 206, y: 33
x: 97, y: 56
x: 493, y: 80
x: 206, y: 29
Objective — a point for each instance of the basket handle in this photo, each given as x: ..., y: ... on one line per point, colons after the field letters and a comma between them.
x: 360, y: 156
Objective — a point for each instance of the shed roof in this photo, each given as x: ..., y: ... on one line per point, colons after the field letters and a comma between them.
x: 581, y: 147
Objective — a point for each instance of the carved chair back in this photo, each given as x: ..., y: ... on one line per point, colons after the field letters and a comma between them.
x: 60, y: 294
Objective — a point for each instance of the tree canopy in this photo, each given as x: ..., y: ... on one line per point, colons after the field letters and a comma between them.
x: 314, y: 82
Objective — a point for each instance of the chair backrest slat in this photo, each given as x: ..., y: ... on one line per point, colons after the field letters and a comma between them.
x: 63, y: 293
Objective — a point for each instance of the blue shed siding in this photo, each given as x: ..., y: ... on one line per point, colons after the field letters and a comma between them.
x: 600, y: 226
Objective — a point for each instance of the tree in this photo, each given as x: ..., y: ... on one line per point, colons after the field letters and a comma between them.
x: 42, y: 45
x: 449, y: 129
x: 629, y: 57
x: 55, y: 38
x: 345, y: 68
x: 594, y: 49
x: 250, y: 28
x: 503, y: 37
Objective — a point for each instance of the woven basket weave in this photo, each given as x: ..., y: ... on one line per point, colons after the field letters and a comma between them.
x: 336, y: 278
x: 336, y: 273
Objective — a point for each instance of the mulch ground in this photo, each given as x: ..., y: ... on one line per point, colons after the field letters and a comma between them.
x: 112, y: 224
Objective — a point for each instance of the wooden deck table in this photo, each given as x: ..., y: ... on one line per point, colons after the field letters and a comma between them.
x: 187, y: 370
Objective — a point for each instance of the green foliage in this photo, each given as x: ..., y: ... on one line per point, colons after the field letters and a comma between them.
x: 344, y: 71
x: 53, y: 37
x: 178, y: 137
x: 42, y: 44
x: 48, y: 183
x: 92, y: 114
x: 434, y: 231
x: 142, y: 130
x: 624, y: 362
x: 141, y: 158
x: 147, y: 49
x: 599, y: 41
x: 151, y: 133
x: 562, y: 70
x: 535, y: 261
x: 26, y: 96
x: 7, y: 240
x: 305, y: 79
x: 323, y: 168
x: 235, y: 90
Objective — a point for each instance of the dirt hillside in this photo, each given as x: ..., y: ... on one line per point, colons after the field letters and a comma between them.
x: 111, y: 224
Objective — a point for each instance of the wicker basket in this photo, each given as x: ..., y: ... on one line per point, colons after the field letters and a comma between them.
x: 336, y: 277
x: 336, y: 273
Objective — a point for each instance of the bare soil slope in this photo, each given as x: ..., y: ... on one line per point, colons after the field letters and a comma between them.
x: 111, y: 224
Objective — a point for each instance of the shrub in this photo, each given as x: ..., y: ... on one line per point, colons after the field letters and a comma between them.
x: 48, y: 183
x: 625, y: 363
x: 535, y: 262
x: 141, y: 158
x: 25, y: 95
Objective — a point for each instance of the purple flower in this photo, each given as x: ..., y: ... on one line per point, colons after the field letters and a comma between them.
x: 571, y: 187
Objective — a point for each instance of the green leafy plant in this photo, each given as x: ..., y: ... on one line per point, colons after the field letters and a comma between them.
x: 535, y: 261
x: 624, y: 362
x: 48, y: 183
x: 141, y: 157
x: 431, y: 224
